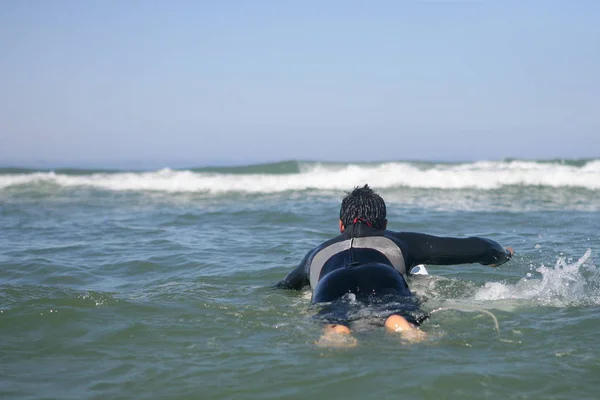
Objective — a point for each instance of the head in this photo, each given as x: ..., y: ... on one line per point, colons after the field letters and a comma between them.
x: 363, y: 203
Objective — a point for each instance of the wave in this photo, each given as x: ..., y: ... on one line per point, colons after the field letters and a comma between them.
x: 296, y: 176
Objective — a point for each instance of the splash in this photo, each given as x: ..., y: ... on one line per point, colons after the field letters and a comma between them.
x: 564, y: 285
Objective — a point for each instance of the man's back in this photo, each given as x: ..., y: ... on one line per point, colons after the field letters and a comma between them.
x: 361, y: 244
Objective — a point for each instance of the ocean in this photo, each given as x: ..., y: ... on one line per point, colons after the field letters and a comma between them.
x: 157, y: 284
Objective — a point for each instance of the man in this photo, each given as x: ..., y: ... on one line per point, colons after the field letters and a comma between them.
x: 368, y: 260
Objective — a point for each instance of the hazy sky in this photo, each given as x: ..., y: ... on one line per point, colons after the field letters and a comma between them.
x: 175, y: 83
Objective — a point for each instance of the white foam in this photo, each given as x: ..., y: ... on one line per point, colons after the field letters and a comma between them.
x: 479, y: 175
x: 561, y: 286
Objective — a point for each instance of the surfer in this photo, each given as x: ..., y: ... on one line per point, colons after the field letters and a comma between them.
x: 368, y: 260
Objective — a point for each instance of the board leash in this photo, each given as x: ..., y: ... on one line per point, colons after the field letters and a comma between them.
x: 424, y: 317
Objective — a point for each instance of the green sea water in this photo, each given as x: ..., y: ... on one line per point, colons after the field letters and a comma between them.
x: 157, y: 284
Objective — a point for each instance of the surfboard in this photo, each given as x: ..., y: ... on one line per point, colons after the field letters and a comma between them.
x: 419, y: 270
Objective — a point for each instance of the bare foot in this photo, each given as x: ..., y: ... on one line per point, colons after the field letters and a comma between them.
x: 398, y: 324
x: 336, y: 336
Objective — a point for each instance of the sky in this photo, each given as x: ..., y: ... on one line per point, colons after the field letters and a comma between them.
x: 110, y: 83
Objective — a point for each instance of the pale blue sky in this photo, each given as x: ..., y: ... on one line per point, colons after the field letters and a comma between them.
x: 176, y: 83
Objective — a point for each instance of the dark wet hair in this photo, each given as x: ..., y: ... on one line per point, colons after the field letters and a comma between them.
x: 365, y: 204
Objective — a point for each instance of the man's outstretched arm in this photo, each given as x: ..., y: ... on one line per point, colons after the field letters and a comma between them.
x: 428, y: 249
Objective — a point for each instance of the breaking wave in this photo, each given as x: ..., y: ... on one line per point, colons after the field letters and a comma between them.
x: 281, y: 177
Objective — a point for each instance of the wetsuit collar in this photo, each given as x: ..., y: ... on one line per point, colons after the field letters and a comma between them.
x: 360, y: 230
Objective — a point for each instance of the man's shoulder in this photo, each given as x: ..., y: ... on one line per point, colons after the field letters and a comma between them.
x: 405, y: 236
x: 338, y: 238
x: 311, y: 253
x: 395, y: 234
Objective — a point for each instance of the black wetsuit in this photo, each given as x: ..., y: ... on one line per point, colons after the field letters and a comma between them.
x: 368, y: 261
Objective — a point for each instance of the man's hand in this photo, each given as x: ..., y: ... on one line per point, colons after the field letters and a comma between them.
x: 510, y: 252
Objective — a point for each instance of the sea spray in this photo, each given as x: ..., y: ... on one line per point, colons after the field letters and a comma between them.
x: 564, y: 285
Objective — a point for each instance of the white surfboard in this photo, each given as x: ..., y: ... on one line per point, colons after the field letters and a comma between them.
x: 419, y: 270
